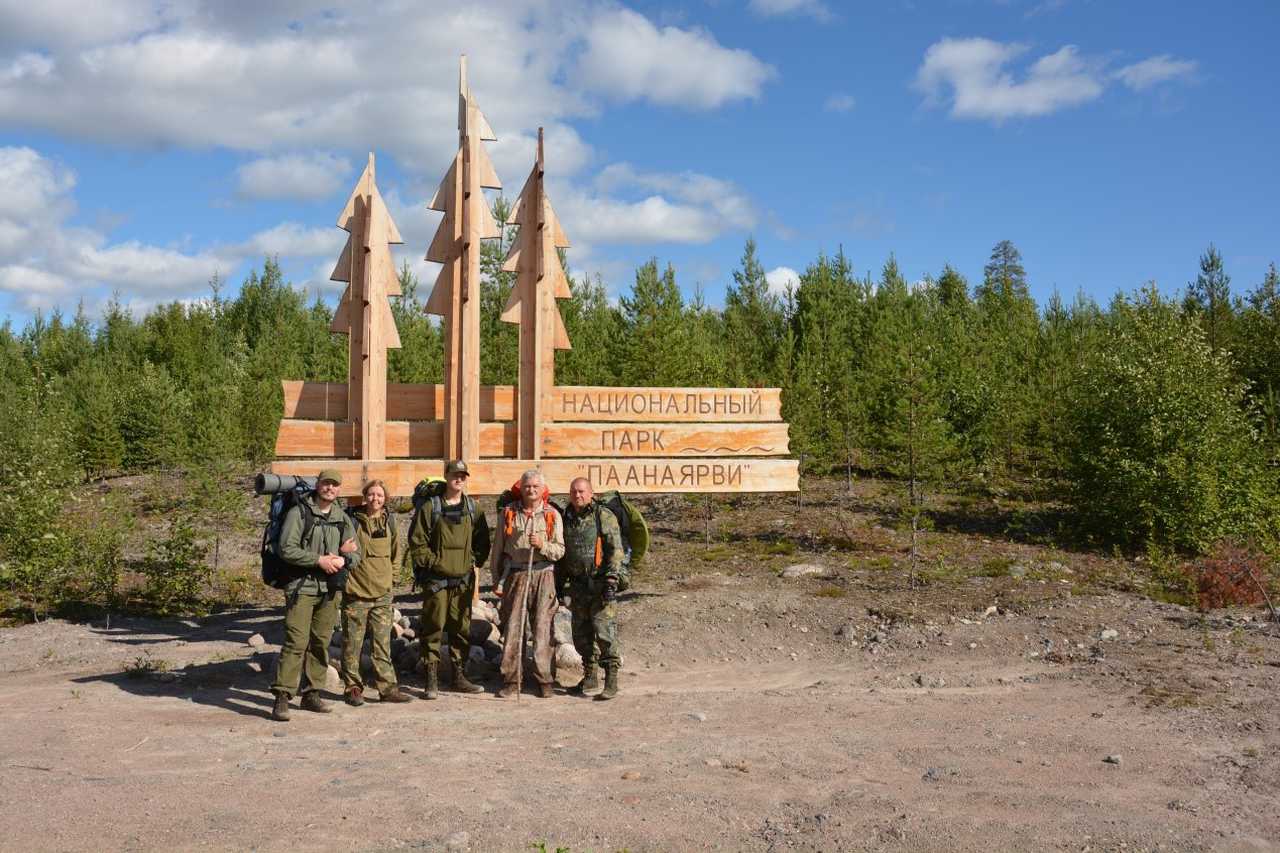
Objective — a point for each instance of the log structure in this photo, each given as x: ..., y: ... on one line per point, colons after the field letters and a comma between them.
x: 456, y: 295
x: 364, y: 314
x: 540, y: 281
x: 632, y: 439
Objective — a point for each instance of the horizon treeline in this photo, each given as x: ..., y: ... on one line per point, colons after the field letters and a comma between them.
x: 1156, y: 418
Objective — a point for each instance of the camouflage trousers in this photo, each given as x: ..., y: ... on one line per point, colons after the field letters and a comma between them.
x: 595, y: 624
x: 371, y: 615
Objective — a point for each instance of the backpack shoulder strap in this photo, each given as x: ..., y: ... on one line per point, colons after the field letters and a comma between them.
x: 471, y: 508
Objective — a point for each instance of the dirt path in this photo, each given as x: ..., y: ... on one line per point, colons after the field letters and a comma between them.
x: 754, y: 735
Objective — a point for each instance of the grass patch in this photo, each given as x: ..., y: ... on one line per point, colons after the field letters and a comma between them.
x: 144, y: 665
x: 716, y: 554
x: 996, y: 567
x: 780, y: 547
x: 831, y: 592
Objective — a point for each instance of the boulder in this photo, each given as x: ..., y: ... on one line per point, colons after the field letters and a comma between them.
x: 332, y: 681
x: 566, y: 666
x: 800, y: 570
x: 562, y: 627
x: 481, y: 631
x: 257, y: 641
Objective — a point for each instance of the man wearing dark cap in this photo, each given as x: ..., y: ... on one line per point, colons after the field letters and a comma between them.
x: 318, y: 541
x: 449, y: 539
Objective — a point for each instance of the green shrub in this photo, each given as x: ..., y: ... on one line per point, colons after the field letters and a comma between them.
x: 1163, y: 446
x: 177, y: 571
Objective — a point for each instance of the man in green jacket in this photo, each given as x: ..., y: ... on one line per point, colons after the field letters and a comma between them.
x: 592, y: 561
x: 449, y: 540
x: 318, y: 540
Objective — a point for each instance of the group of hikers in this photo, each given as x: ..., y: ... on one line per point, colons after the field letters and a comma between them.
x: 333, y: 561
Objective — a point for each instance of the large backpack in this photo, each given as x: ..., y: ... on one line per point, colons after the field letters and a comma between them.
x: 635, y: 533
x: 275, y: 571
x: 431, y: 492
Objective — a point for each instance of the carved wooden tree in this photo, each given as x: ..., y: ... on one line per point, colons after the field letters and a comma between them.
x: 364, y: 314
x: 456, y: 296
x: 540, y: 281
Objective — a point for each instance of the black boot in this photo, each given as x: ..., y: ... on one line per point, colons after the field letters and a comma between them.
x: 280, y: 711
x: 432, y: 690
x: 610, y: 683
x: 590, y: 680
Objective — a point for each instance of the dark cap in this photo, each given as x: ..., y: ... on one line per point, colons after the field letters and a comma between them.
x: 456, y: 466
x: 332, y: 474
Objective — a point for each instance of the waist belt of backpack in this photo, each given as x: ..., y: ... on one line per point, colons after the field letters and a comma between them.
x: 435, y: 583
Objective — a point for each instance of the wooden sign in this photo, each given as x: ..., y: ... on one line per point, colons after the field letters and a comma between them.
x: 493, y: 476
x: 630, y: 439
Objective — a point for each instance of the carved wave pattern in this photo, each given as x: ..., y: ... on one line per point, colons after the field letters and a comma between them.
x: 723, y: 449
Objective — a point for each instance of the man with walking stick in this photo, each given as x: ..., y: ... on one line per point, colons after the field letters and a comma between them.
x: 529, y: 539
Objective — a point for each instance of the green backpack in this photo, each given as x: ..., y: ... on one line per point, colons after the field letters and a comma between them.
x: 635, y: 533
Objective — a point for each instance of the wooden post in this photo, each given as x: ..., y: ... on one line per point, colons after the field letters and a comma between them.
x: 364, y: 313
x: 540, y: 281
x: 456, y: 296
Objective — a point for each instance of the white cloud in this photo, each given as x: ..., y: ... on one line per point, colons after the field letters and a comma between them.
x: 975, y: 77
x: 295, y: 74
x: 628, y: 58
x: 289, y: 239
x: 773, y: 8
x: 1141, y: 76
x: 839, y: 103
x: 629, y: 206
x: 973, y: 73
x: 304, y: 177
x: 781, y: 278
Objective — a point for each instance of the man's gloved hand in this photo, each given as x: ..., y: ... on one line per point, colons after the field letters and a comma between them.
x: 610, y: 591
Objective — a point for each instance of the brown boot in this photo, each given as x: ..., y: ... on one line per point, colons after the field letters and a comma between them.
x: 508, y: 690
x: 354, y: 696
x: 461, y: 684
x: 311, y: 701
x: 395, y: 694
x: 610, y: 683
x: 432, y: 690
x: 590, y: 680
x: 280, y: 711
x: 545, y: 691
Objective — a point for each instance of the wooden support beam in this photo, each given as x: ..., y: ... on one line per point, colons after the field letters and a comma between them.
x: 425, y: 439
x: 405, y: 439
x: 490, y: 477
x: 572, y: 403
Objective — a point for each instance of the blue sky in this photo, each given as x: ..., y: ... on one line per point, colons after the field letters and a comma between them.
x: 146, y: 146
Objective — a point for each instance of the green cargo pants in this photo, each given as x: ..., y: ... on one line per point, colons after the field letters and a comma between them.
x: 446, y: 616
x: 595, y: 624
x: 374, y: 615
x: 309, y: 614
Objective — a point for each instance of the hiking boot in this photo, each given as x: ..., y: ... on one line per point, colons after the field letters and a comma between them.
x: 545, y: 691
x: 461, y: 684
x: 508, y: 690
x: 311, y: 701
x: 610, y: 684
x: 395, y: 694
x: 280, y: 711
x: 590, y: 681
x: 432, y: 690
x: 354, y: 697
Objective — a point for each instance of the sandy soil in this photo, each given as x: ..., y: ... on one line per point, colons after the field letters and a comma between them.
x: 758, y: 712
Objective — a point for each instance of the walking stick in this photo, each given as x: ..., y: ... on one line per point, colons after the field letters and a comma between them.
x: 524, y: 610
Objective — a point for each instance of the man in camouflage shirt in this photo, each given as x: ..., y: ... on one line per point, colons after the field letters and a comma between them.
x: 590, y: 567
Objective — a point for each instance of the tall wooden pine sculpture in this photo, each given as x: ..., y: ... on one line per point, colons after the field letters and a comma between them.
x: 540, y: 281
x: 456, y: 296
x: 364, y: 314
